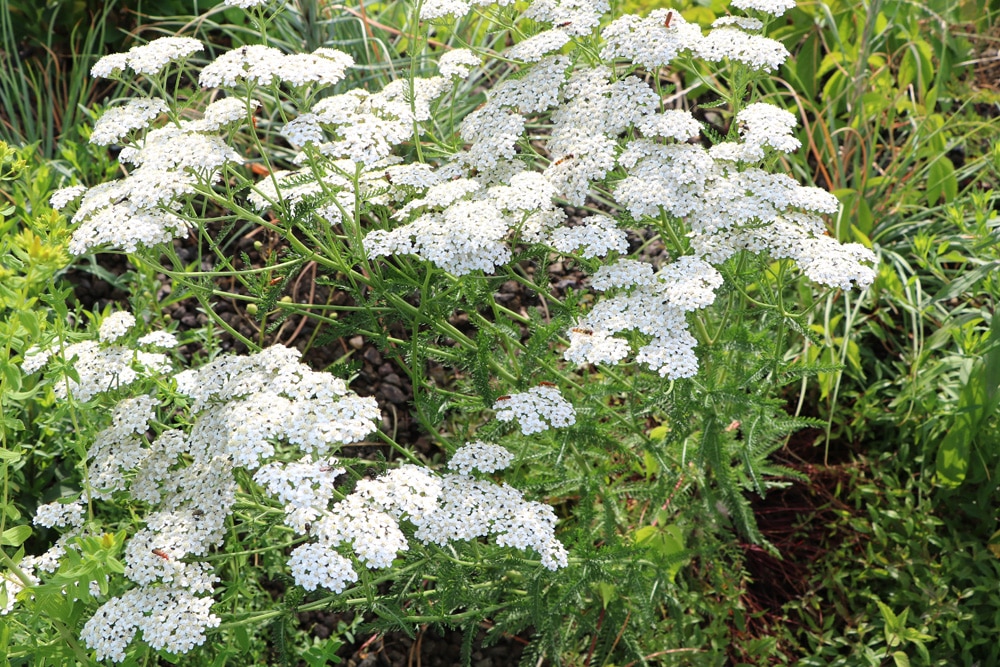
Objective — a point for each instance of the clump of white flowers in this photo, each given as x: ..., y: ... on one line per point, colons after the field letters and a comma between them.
x: 238, y: 409
x: 101, y: 365
x: 536, y: 410
x: 443, y: 509
x: 11, y: 586
x: 481, y: 456
x: 563, y: 132
x: 148, y: 59
x: 653, y: 304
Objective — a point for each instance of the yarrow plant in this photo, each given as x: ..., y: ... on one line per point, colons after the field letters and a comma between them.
x: 676, y: 243
x: 240, y: 409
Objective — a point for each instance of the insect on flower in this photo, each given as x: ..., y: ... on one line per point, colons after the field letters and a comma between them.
x: 543, y: 383
x: 275, y: 281
x: 583, y: 330
x: 670, y: 15
x: 161, y: 553
x: 568, y: 156
x: 503, y: 398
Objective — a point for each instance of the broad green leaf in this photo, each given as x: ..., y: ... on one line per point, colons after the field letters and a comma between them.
x: 608, y: 592
x: 30, y: 322
x: 15, y: 537
x: 900, y: 659
x: 9, y: 455
x: 941, y: 181
x: 954, y: 452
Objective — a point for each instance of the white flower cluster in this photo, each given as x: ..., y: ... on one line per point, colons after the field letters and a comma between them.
x: 471, y: 508
x: 170, y: 618
x: 472, y: 230
x: 649, y: 41
x: 137, y: 210
x: 655, y: 41
x: 101, y: 365
x: 11, y: 585
x: 480, y: 456
x: 458, y: 62
x: 586, y: 125
x: 251, y: 401
x: 597, y: 236
x: 442, y: 508
x: 34, y: 359
x: 59, y: 514
x: 239, y: 408
x: 731, y: 207
x: 535, y: 48
x: 772, y: 7
x: 536, y: 410
x: 173, y: 161
x: 575, y: 17
x: 227, y: 111
x: 731, y: 43
x: 117, y: 122
x: 435, y: 9
x: 147, y: 59
x: 654, y: 305
x: 364, y: 127
x: 263, y: 66
x: 115, y: 326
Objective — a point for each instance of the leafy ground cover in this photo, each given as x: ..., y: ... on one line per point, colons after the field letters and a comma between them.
x: 820, y: 490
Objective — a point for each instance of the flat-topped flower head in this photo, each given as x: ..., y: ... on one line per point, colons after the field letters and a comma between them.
x: 470, y: 508
x: 458, y: 62
x: 227, y: 111
x: 765, y: 124
x: 536, y: 410
x: 772, y: 7
x: 149, y: 58
x: 574, y: 17
x: 255, y: 64
x: 313, y: 565
x: 324, y: 67
x: 115, y: 326
x: 467, y: 236
x: 436, y: 9
x: 537, y: 47
x: 117, y: 122
x: 596, y: 236
x: 670, y: 124
x: 63, y: 197
x: 169, y: 618
x: 60, y: 514
x: 755, y: 51
x: 652, y: 42
x: 480, y: 456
